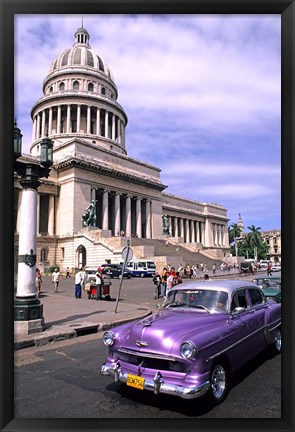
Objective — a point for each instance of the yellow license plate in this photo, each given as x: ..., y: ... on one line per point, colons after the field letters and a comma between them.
x: 135, y: 381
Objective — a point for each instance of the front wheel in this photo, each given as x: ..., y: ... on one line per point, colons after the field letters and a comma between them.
x: 218, y: 383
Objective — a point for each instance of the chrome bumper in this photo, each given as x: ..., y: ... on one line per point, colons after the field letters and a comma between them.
x: 157, y: 385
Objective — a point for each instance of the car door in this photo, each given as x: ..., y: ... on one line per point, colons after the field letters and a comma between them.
x: 248, y: 323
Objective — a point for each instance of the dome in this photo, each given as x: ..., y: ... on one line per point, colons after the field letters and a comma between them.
x: 80, y: 55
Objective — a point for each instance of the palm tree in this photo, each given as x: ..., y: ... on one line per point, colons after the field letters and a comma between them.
x: 247, y: 244
x: 255, y: 238
x: 235, y: 233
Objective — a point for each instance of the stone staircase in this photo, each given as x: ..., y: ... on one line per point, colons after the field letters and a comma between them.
x: 173, y: 254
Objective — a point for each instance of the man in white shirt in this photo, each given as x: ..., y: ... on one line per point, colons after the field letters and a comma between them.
x: 78, y: 281
x: 55, y: 279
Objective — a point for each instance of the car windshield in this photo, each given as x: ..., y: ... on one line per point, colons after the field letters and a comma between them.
x: 201, y: 299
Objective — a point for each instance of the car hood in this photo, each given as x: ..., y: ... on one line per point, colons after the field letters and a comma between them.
x: 163, y: 333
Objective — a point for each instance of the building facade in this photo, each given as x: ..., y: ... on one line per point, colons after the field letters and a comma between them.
x: 80, y: 113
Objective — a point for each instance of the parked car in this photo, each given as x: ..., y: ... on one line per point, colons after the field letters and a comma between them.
x: 261, y: 280
x: 115, y: 270
x: 272, y: 291
x: 246, y: 267
x: 205, y: 331
x: 276, y: 268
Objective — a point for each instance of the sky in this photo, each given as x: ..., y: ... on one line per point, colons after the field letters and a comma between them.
x: 202, y: 94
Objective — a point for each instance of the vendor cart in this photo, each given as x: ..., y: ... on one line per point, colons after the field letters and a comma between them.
x: 92, y: 291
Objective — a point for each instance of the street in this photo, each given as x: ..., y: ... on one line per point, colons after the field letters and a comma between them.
x: 65, y: 381
x: 64, y: 377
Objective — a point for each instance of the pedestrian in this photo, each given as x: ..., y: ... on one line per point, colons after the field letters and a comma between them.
x: 78, y: 281
x: 83, y: 279
x: 157, y: 282
x: 38, y: 282
x: 68, y: 272
x: 170, y: 280
x: 214, y: 268
x: 268, y: 270
x: 98, y: 282
x: 56, y: 278
x: 164, y: 281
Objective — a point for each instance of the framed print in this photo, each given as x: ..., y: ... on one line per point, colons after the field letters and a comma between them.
x: 207, y: 91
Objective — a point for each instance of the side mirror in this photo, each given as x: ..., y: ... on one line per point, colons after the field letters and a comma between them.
x: 238, y: 310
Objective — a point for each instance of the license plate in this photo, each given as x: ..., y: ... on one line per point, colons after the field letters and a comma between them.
x: 135, y: 381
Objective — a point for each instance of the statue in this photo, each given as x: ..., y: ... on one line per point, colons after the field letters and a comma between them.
x: 165, y: 219
x: 89, y: 216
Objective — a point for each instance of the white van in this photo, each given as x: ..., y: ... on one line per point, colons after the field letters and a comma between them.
x: 142, y: 268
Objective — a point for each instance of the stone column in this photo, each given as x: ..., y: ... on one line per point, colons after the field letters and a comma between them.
x: 58, y: 119
x: 27, y: 240
x: 88, y: 118
x: 51, y: 215
x: 106, y: 124
x: 19, y: 210
x: 98, y: 121
x: 148, y: 220
x: 43, y: 124
x: 181, y: 223
x: 78, y: 118
x: 34, y: 129
x: 50, y: 122
x: 193, y: 239
x: 68, y: 126
x: 105, y: 210
x: 138, y: 217
x: 119, y: 129
x: 128, y: 216
x: 38, y: 215
x: 176, y: 227
x: 207, y: 240
x: 117, y: 214
x: 113, y: 127
x: 198, y: 231
x: 38, y: 127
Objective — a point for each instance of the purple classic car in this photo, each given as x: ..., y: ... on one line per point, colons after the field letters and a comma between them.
x: 205, y: 331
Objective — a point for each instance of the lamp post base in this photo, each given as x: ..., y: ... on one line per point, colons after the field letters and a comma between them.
x: 28, y: 316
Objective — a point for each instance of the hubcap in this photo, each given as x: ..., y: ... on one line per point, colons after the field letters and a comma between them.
x: 218, y: 381
x: 278, y: 340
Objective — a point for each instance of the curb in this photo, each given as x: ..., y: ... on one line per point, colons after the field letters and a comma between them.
x: 69, y: 331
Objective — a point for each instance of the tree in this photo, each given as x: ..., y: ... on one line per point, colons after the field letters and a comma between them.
x: 234, y: 234
x: 255, y: 238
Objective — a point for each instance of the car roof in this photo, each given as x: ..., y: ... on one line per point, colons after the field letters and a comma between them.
x: 278, y: 276
x: 228, y: 285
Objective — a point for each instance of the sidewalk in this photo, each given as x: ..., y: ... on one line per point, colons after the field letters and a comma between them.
x: 67, y: 317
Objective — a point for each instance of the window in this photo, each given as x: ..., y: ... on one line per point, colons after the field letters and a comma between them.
x: 256, y: 296
x: 62, y: 86
x: 62, y: 253
x: 75, y: 85
x: 44, y: 254
x: 103, y: 90
x: 239, y: 300
x: 90, y: 87
x: 51, y: 89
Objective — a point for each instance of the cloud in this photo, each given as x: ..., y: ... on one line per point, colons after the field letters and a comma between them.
x: 202, y: 94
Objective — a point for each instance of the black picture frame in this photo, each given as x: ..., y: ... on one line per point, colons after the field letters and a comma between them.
x: 8, y: 9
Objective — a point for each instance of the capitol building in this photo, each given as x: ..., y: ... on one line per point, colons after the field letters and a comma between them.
x: 80, y: 113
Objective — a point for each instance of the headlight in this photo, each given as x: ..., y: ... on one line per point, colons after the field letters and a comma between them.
x: 108, y: 338
x: 188, y: 350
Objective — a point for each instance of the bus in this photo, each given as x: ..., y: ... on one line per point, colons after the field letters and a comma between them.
x: 142, y: 268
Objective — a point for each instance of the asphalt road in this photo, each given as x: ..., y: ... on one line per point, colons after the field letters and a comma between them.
x: 63, y: 380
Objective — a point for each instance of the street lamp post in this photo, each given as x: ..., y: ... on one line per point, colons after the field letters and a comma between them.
x: 28, y: 310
